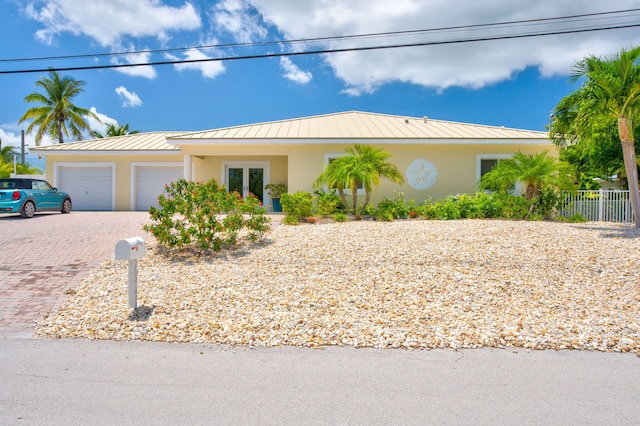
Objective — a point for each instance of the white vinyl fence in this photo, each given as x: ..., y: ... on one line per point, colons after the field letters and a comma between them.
x: 601, y: 206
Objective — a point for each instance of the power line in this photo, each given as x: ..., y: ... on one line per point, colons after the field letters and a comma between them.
x: 330, y: 38
x: 325, y: 51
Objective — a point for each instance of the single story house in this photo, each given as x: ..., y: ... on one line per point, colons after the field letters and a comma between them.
x: 438, y: 158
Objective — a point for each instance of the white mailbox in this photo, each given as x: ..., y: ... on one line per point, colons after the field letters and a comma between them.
x: 130, y: 249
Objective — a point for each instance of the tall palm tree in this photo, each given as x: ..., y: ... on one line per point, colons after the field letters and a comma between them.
x: 114, y: 130
x: 57, y: 116
x: 536, y: 171
x: 365, y: 166
x: 611, y: 90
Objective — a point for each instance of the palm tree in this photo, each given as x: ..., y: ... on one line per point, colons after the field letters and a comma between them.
x: 363, y: 166
x: 57, y: 116
x: 114, y: 130
x: 7, y: 153
x: 610, y: 91
x: 536, y: 171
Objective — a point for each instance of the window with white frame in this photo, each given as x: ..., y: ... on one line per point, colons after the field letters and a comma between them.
x: 486, y: 162
x: 328, y: 158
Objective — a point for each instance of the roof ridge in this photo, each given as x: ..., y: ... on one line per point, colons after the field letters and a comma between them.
x: 349, y: 112
x: 286, y: 120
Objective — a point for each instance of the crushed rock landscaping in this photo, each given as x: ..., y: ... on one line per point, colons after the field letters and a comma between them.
x: 403, y: 284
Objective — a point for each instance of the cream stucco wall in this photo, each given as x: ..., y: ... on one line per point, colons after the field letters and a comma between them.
x: 457, y: 165
x: 299, y: 165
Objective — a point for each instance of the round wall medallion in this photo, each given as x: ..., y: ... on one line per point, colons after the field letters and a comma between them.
x: 421, y: 174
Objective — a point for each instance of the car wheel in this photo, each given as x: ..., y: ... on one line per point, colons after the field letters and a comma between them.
x: 28, y: 210
x: 66, y: 206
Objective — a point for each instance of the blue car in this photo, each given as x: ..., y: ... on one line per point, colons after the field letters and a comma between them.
x: 28, y: 196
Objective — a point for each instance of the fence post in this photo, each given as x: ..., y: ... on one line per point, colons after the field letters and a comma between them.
x: 600, y: 204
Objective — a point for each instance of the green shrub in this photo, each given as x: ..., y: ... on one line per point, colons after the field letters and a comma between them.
x: 369, y: 210
x: 468, y: 206
x: 340, y: 217
x: 547, y: 203
x: 205, y: 215
x: 328, y: 203
x: 394, y: 209
x: 489, y: 206
x: 299, y: 205
x: 574, y: 218
x: 384, y: 215
x: 447, y: 209
x: 290, y: 220
x: 427, y: 210
x: 511, y: 206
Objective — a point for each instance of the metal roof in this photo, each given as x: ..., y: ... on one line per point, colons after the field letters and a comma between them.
x: 359, y: 125
x: 336, y: 127
x: 152, y: 141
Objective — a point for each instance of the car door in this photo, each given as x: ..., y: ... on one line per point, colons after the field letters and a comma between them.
x: 45, y: 196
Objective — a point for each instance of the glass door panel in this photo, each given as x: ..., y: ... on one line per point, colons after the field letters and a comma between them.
x: 235, y: 180
x: 246, y: 178
x: 256, y: 182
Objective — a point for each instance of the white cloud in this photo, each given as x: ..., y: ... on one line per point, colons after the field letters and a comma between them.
x: 209, y: 69
x: 129, y: 99
x: 238, y: 18
x: 100, y: 126
x: 146, y: 71
x: 293, y: 73
x: 10, y: 134
x: 109, y: 21
x: 470, y: 65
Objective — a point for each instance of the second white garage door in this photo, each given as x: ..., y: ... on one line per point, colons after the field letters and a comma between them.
x: 149, y: 182
x: 90, y: 188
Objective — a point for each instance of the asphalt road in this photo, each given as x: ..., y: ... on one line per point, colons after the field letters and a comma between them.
x: 104, y: 382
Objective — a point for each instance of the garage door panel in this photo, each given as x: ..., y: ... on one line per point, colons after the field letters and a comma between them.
x: 150, y: 182
x: 90, y: 188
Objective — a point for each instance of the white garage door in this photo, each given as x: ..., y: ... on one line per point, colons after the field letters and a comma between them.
x: 150, y: 182
x: 90, y: 188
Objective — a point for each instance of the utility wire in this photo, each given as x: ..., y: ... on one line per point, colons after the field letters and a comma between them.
x: 324, y: 51
x: 332, y: 38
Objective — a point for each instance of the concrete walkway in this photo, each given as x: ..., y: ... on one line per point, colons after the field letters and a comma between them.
x: 42, y: 257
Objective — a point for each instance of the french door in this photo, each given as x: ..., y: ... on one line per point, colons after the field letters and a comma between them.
x: 246, y: 177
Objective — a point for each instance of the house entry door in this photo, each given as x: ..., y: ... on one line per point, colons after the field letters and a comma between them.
x: 245, y: 178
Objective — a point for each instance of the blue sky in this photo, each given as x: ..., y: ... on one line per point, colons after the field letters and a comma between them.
x: 513, y: 83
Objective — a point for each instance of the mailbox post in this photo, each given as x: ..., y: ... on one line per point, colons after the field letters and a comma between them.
x: 131, y: 249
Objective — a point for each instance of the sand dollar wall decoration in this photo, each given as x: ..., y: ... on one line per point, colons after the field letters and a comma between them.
x: 421, y: 174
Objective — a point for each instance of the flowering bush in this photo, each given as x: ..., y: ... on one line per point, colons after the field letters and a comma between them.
x: 205, y: 215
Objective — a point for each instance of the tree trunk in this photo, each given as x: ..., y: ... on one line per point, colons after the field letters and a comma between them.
x: 354, y: 195
x: 625, y: 126
x: 367, y: 197
x: 60, y: 139
x: 343, y: 198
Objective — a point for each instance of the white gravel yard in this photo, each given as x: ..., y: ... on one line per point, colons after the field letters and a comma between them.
x: 403, y: 284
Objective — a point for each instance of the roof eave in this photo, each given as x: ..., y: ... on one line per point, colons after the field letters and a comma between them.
x: 104, y: 152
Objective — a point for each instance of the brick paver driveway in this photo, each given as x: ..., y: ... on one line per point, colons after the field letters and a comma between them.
x: 42, y: 257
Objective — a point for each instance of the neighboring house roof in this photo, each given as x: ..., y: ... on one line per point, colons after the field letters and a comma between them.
x: 358, y: 125
x: 333, y: 128
x: 144, y: 142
